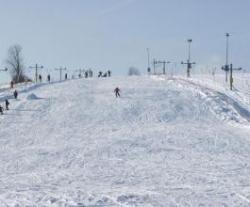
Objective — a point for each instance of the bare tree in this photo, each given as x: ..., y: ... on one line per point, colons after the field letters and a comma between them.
x: 15, y: 64
x: 133, y: 71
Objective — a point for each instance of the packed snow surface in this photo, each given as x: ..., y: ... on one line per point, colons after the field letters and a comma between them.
x: 165, y: 142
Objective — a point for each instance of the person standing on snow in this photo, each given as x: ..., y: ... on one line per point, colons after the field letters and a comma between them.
x: 117, y: 92
x: 48, y: 78
x: 40, y: 78
x: 100, y: 74
x: 7, y: 103
x: 12, y: 84
x: 15, y: 94
x: 109, y: 73
x: 1, y: 110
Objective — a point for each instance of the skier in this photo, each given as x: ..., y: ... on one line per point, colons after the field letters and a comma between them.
x: 1, y: 110
x: 7, y: 103
x: 48, y: 78
x: 66, y: 76
x: 15, y: 94
x: 117, y: 92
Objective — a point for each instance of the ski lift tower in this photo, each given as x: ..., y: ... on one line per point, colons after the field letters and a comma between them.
x: 226, y: 67
x: 36, y: 67
x: 229, y: 68
x: 189, y: 63
x: 163, y: 62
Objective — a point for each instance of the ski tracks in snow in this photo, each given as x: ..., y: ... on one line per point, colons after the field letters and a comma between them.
x: 161, y: 144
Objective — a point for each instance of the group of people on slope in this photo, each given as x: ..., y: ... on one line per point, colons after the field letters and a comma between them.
x: 7, y: 103
x: 104, y: 75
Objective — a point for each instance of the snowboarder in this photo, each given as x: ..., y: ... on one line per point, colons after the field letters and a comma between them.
x: 117, y: 92
x: 15, y: 94
x: 7, y: 103
x: 48, y: 78
x: 1, y: 110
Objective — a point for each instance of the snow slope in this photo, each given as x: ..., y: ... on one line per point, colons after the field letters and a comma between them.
x: 165, y: 142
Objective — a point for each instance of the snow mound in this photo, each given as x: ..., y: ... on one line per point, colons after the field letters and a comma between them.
x: 32, y: 96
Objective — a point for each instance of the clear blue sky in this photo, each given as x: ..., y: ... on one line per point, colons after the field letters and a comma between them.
x: 114, y: 34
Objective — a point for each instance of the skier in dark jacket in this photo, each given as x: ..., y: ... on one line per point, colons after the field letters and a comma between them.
x: 15, y: 94
x: 1, y: 110
x: 117, y: 92
x: 7, y: 103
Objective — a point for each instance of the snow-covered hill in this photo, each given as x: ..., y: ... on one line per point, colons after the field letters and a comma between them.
x: 165, y: 142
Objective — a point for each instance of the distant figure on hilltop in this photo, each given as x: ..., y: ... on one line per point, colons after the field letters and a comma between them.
x: 109, y: 73
x: 117, y: 92
x: 40, y: 78
x: 7, y: 103
x: 48, y: 78
x: 100, y: 74
x: 86, y: 74
x: 15, y: 94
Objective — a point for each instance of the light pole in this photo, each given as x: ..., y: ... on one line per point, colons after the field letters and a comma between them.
x: 189, y: 63
x: 226, y: 66
x: 36, y: 67
x: 148, y: 53
x: 189, y: 49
